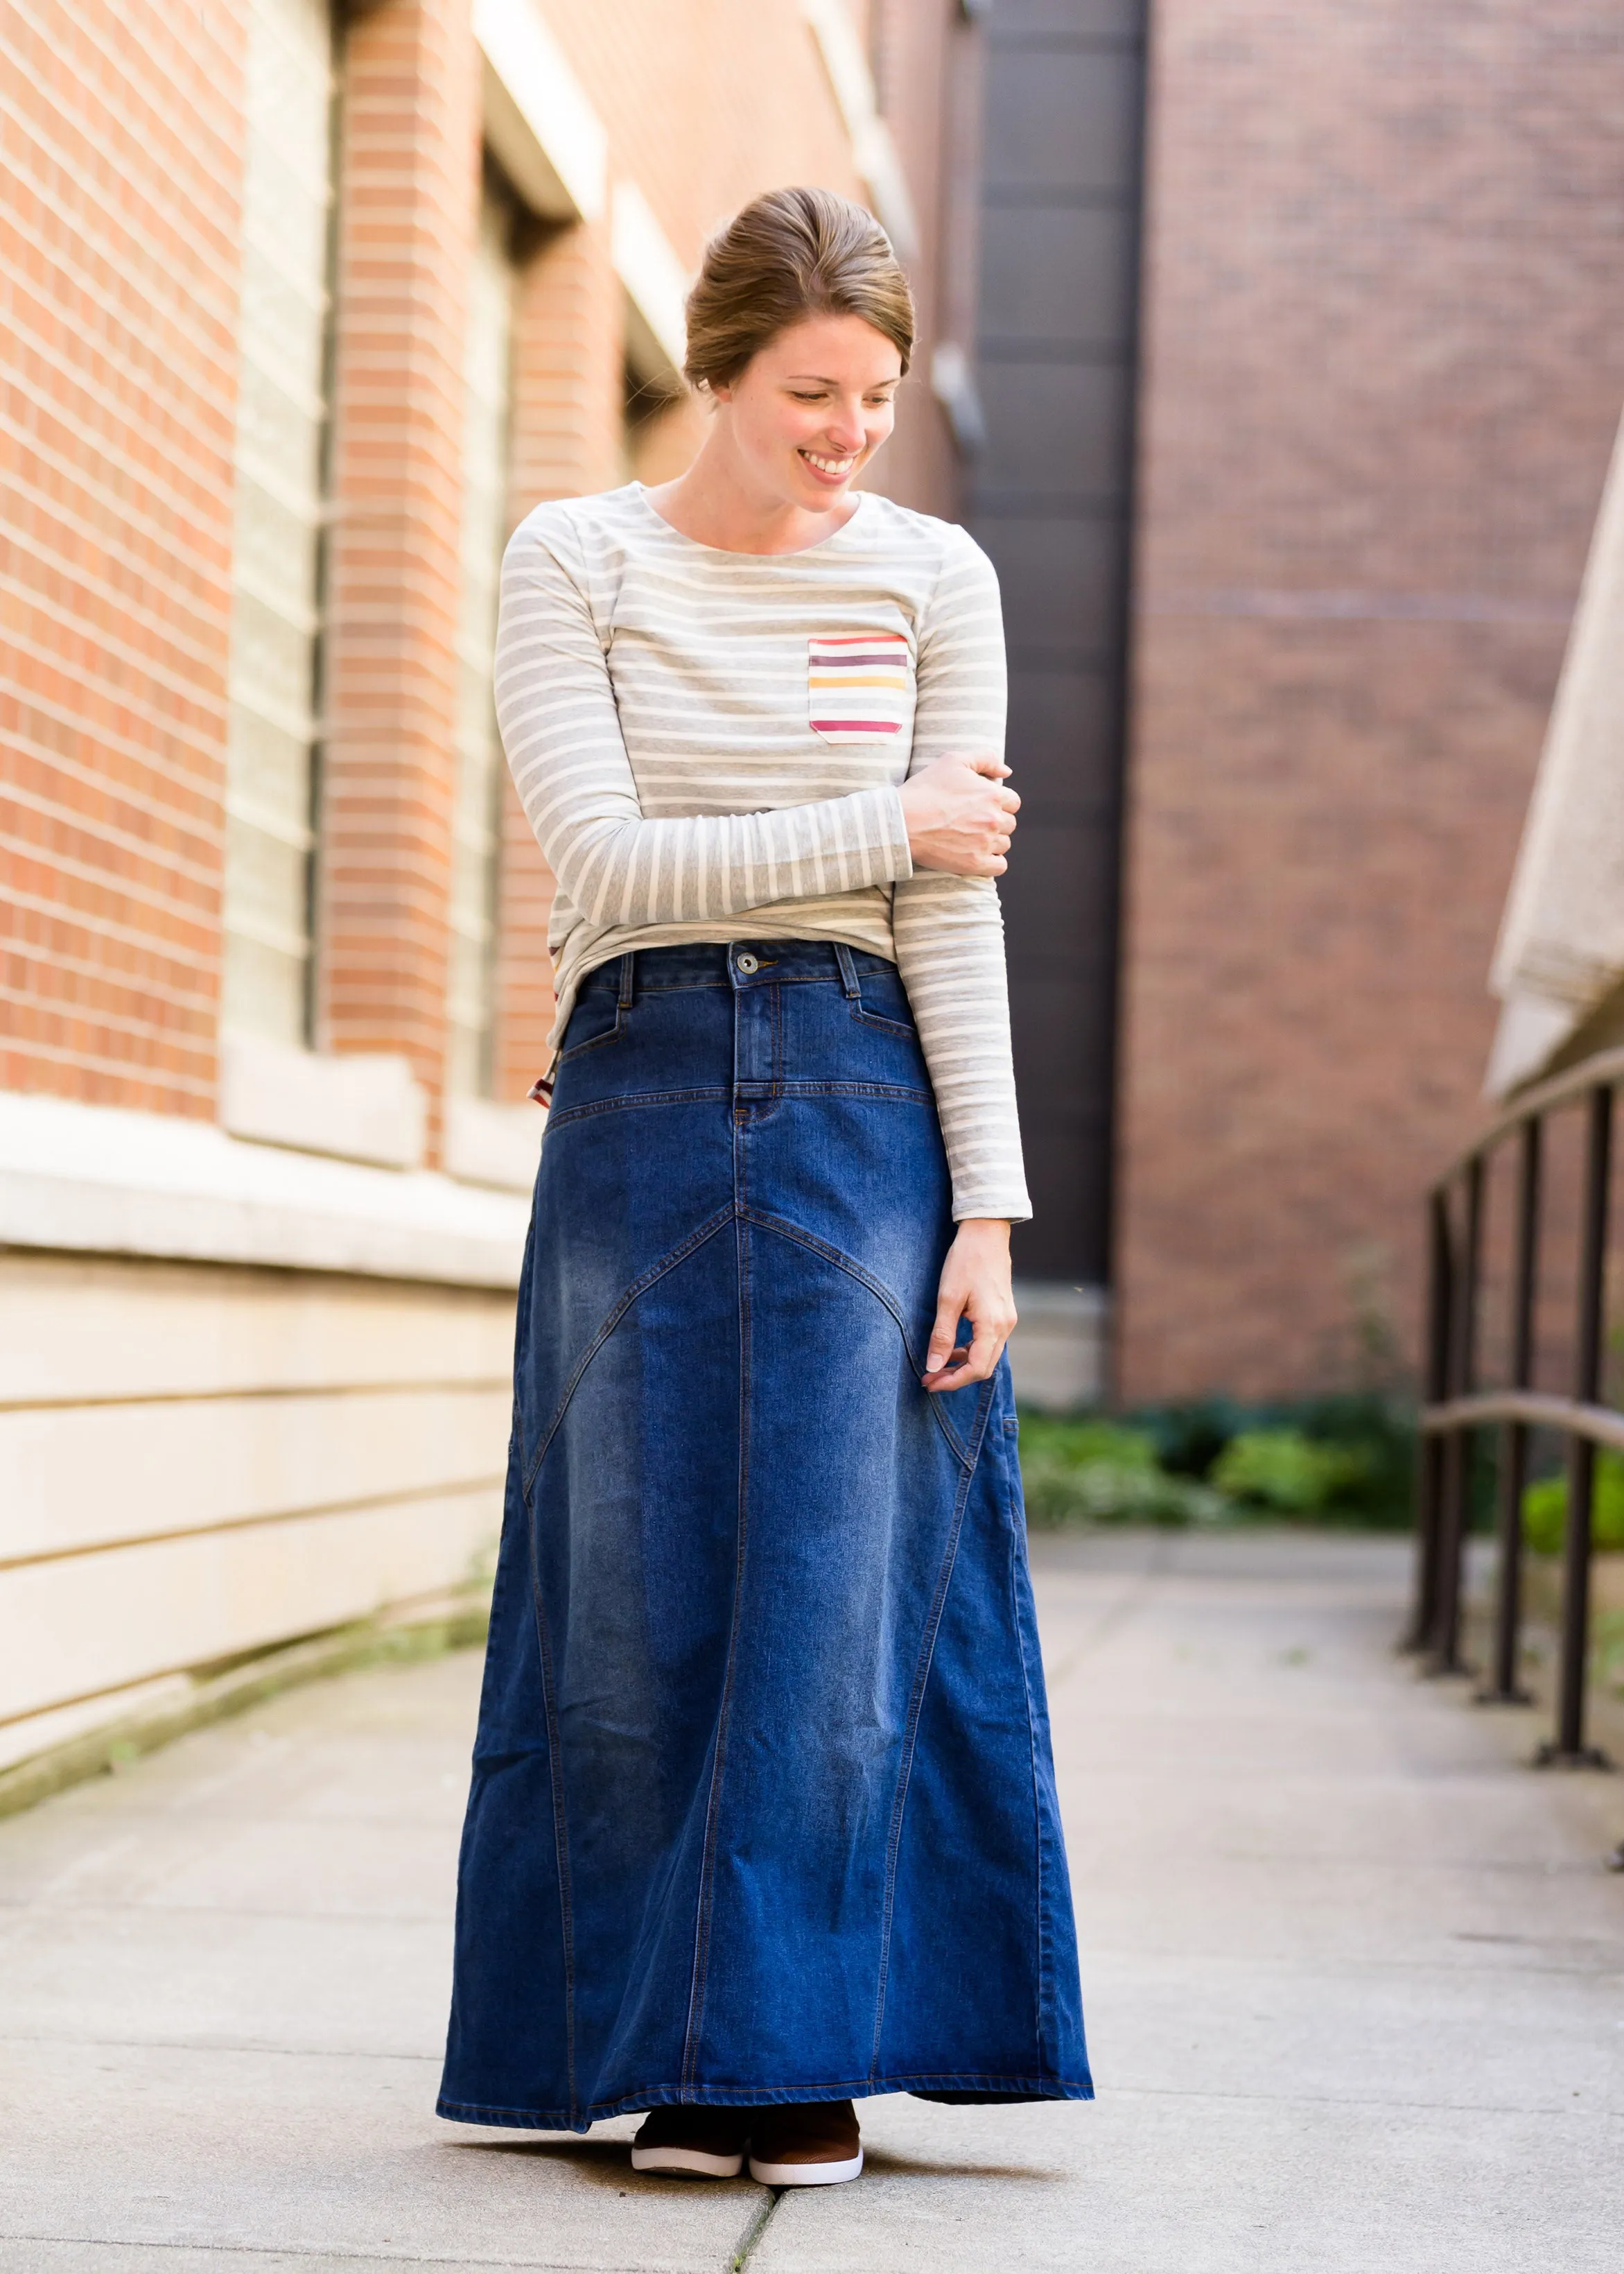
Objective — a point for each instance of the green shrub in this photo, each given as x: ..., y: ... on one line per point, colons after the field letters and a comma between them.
x: 1094, y: 1472
x: 1544, y: 1507
x: 1190, y: 1434
x: 1283, y: 1470
x: 1345, y: 1459
x: 1377, y: 1434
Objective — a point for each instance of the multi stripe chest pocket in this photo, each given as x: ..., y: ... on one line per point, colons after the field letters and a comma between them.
x: 859, y: 686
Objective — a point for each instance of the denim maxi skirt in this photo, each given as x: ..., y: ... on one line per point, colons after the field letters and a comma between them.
x: 763, y: 1803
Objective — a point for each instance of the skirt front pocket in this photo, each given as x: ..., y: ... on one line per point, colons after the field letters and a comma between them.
x: 859, y: 686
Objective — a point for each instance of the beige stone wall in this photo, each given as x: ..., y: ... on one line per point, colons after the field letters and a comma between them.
x: 201, y: 1461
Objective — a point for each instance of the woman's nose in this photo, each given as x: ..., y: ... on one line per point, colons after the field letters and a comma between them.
x: 845, y: 431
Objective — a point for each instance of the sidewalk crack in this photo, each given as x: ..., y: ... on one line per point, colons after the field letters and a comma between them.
x: 745, y: 2247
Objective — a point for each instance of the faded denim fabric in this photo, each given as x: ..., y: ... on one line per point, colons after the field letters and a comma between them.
x: 762, y: 1803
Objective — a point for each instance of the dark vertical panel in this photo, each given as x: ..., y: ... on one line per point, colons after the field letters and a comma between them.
x: 1051, y: 502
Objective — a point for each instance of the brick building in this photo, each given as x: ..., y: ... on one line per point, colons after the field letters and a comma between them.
x: 1380, y: 365
x: 1385, y: 361
x: 306, y: 306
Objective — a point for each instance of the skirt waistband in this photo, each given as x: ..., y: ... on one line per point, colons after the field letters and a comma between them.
x: 736, y: 963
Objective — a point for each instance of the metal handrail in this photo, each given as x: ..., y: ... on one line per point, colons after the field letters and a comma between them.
x: 1455, y: 1407
x: 1603, y: 1424
x: 1605, y: 1069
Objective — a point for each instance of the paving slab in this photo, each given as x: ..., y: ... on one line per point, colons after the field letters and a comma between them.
x: 1354, y: 1975
x: 1195, y: 2183
x: 222, y: 2150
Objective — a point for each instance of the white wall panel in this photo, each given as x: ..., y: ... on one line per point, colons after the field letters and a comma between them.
x: 59, y: 1725
x: 97, y: 1622
x: 84, y: 1329
x: 168, y: 1433
x: 109, y: 1472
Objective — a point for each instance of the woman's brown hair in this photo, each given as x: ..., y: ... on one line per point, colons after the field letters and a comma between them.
x: 791, y: 254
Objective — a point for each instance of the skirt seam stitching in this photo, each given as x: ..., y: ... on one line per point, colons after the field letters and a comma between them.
x: 1043, y: 2087
x: 707, y: 1866
x: 639, y: 1286
x: 902, y: 1092
x: 787, y: 1230
x: 1045, y: 1956
x: 921, y: 1679
x: 560, y: 1827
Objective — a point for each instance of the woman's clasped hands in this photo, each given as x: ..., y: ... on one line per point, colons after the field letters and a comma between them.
x: 959, y: 815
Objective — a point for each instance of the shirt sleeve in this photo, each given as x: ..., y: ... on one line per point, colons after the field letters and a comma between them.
x: 949, y: 930
x: 561, y: 732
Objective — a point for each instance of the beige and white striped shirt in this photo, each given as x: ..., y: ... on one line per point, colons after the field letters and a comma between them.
x: 709, y: 745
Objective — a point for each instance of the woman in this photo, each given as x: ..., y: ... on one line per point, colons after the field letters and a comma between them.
x: 762, y: 1818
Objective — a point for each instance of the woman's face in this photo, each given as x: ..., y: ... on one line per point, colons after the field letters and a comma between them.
x: 811, y: 408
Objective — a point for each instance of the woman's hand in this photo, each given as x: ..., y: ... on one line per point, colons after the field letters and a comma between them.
x: 975, y: 1285
x: 959, y: 815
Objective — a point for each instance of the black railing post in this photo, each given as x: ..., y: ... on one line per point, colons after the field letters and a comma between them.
x: 1503, y: 1688
x: 1429, y: 1450
x: 1457, y: 1485
x: 1568, y: 1748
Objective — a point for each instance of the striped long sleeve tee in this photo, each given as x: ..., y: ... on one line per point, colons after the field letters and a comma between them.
x: 709, y: 745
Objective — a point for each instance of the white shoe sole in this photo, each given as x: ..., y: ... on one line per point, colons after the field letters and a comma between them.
x: 686, y: 2163
x: 805, y: 2175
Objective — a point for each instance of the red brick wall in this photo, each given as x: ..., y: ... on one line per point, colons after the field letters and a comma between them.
x: 120, y: 173
x: 408, y: 207
x: 119, y: 196
x: 1384, y: 269
x: 707, y: 102
x: 566, y: 440
x: 922, y: 50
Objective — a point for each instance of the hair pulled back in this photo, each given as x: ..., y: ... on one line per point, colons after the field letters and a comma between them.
x: 791, y: 254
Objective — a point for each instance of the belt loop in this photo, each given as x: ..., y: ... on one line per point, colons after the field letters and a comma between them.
x: 848, y: 971
x: 629, y: 964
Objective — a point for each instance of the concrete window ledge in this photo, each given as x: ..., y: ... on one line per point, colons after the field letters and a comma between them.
x: 1057, y: 1353
x: 538, y: 122
x: 845, y: 60
x: 104, y: 1180
x: 364, y: 1108
x: 489, y: 1144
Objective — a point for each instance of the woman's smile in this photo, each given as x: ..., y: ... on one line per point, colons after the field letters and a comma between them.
x: 830, y: 469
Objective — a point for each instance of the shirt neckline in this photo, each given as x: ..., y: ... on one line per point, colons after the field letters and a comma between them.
x: 725, y: 553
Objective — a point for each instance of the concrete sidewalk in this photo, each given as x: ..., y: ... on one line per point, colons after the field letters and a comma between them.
x: 1352, y: 1976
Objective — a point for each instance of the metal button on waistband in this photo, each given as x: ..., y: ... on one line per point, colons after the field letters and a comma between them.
x: 749, y: 965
